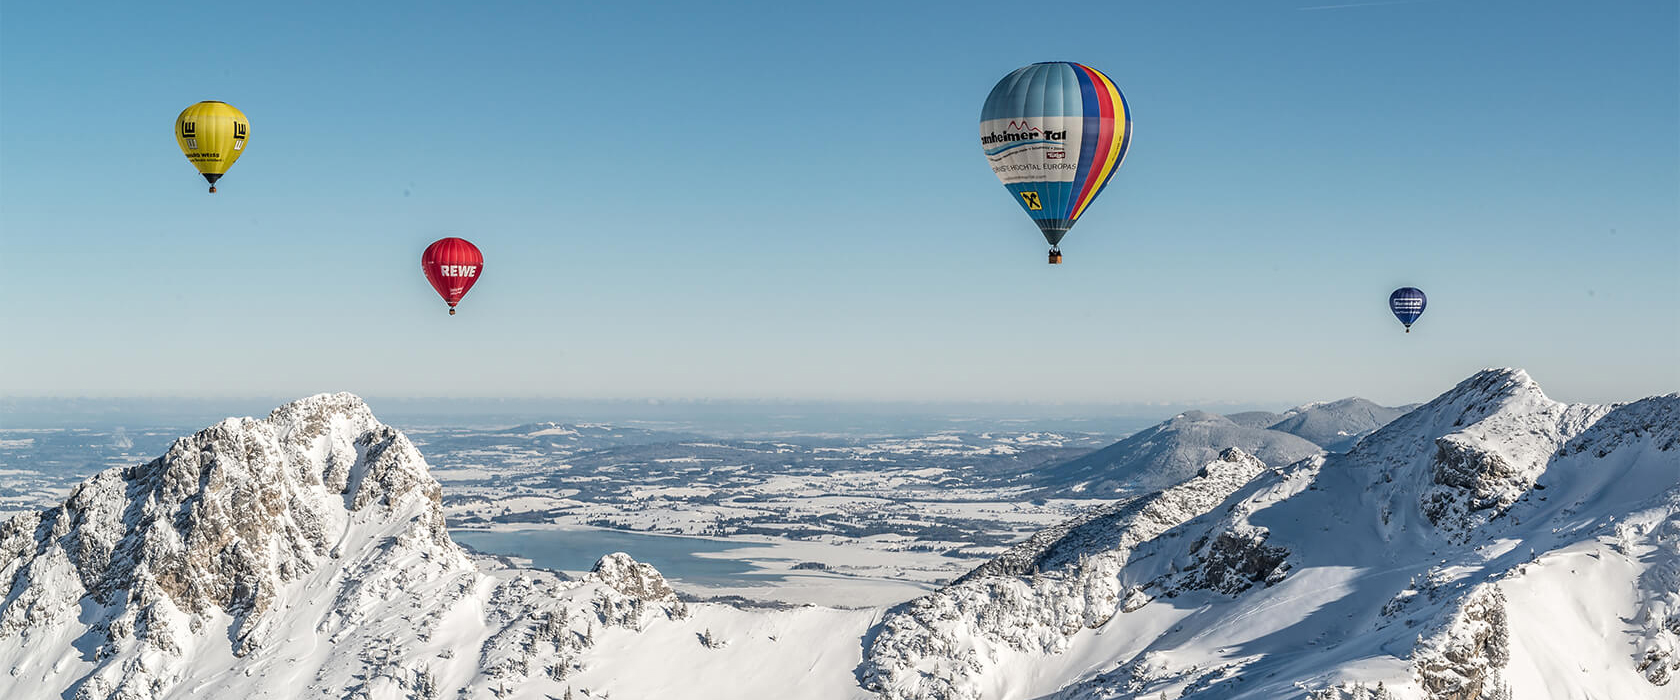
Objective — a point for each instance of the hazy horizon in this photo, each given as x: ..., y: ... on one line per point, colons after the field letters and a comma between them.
x: 732, y: 416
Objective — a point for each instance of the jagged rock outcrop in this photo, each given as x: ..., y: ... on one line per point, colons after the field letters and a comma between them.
x: 632, y: 578
x: 1034, y: 598
x: 1466, y: 660
x: 311, y: 530
x: 1122, y: 525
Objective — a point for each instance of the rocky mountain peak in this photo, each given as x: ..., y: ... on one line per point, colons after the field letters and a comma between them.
x: 310, y: 545
x: 220, y: 525
x: 1489, y: 389
x: 1230, y: 455
x: 632, y: 578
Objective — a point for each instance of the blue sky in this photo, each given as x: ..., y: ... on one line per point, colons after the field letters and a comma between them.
x: 789, y: 200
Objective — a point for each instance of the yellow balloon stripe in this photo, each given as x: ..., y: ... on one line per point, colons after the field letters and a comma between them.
x: 1121, y: 118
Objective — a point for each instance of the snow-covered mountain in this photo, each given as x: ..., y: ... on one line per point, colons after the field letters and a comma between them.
x: 303, y: 554
x: 1489, y: 544
x: 1492, y: 543
x: 1172, y: 450
x: 1337, y: 425
x: 1255, y: 419
x: 1166, y: 454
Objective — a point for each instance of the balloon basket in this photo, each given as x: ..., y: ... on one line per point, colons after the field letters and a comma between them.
x: 451, y: 311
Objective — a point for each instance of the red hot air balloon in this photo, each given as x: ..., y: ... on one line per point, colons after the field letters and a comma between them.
x: 452, y: 265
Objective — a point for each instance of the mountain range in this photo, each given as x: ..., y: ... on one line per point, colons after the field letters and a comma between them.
x: 1492, y: 543
x: 1173, y: 450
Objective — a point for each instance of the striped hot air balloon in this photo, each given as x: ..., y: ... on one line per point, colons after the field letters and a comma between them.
x: 1055, y: 133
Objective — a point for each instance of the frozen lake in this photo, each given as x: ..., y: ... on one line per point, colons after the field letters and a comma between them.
x: 576, y: 550
x: 858, y: 576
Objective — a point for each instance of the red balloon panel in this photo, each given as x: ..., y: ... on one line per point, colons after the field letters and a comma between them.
x: 452, y: 265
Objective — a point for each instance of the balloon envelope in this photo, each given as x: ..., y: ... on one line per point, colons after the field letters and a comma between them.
x: 452, y: 265
x: 212, y: 135
x: 1055, y: 133
x: 1407, y: 304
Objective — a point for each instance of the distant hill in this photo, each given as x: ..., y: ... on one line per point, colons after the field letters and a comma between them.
x: 1173, y: 450
x: 1166, y: 454
x: 1337, y: 425
x: 1255, y: 419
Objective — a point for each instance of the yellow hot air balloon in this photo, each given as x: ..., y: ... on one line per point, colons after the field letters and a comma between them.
x: 213, y: 135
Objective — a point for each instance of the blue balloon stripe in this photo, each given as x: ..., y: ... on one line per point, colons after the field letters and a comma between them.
x: 1070, y: 89
x: 1008, y: 101
x: 1032, y: 94
x: 1042, y: 192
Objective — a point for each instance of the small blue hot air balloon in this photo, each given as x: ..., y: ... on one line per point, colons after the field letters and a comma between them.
x: 1407, y: 304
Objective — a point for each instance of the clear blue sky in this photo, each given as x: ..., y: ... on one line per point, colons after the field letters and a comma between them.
x: 788, y: 199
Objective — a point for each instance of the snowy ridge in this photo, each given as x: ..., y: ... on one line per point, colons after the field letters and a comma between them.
x: 301, y: 554
x: 1492, y: 543
x: 1174, y: 449
x: 1124, y: 524
x: 996, y: 612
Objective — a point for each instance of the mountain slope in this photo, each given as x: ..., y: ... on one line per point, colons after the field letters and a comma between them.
x: 301, y: 554
x: 1477, y: 547
x: 1255, y: 419
x: 1166, y: 454
x: 1337, y: 425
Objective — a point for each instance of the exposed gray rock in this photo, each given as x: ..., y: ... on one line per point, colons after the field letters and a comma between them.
x: 632, y: 578
x: 1466, y: 660
x: 314, y: 528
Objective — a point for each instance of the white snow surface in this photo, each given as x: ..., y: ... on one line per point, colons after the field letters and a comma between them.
x: 1490, y: 544
x: 301, y: 555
